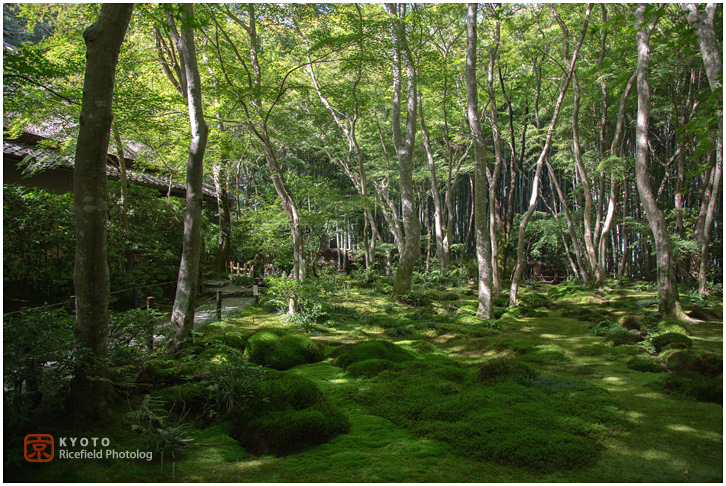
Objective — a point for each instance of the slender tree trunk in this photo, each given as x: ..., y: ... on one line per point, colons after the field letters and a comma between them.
x: 404, y: 150
x: 703, y: 24
x: 438, y: 212
x: 483, y: 244
x: 495, y: 221
x: 668, y: 303
x: 182, y: 314
x: 89, y: 398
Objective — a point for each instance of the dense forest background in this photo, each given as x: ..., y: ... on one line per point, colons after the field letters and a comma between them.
x: 316, y: 94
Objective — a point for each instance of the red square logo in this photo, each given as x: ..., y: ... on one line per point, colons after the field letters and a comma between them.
x: 39, y: 448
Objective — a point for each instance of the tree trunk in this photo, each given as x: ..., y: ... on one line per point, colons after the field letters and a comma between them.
x: 495, y: 222
x: 668, y: 303
x: 441, y: 253
x: 182, y: 313
x: 404, y: 149
x: 703, y: 24
x: 89, y: 397
x: 483, y: 244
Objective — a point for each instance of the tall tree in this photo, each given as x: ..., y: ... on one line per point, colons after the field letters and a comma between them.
x: 483, y: 246
x: 404, y: 149
x: 182, y: 314
x: 668, y: 303
x: 702, y: 22
x: 90, y: 396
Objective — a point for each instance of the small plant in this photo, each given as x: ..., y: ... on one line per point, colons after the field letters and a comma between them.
x: 156, y: 436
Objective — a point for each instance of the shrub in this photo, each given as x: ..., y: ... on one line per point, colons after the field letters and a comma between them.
x: 646, y: 364
x: 289, y: 414
x: 373, y: 350
x: 279, y: 349
x: 661, y: 341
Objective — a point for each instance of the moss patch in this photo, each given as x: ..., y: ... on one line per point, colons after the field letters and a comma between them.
x: 279, y: 349
x: 289, y: 414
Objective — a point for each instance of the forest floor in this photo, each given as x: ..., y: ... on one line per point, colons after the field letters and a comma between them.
x: 632, y: 427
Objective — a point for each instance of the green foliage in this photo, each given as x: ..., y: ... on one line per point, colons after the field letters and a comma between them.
x: 131, y: 334
x: 38, y: 242
x: 289, y: 415
x: 368, y: 350
x: 279, y: 349
x: 38, y: 356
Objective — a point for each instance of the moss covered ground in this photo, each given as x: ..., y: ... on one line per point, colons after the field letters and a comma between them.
x: 568, y: 387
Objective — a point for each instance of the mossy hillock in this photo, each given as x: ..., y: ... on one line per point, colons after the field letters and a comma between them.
x: 288, y: 414
x: 507, y: 413
x: 280, y: 349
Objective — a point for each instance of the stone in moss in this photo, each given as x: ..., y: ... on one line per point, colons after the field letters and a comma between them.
x: 279, y: 349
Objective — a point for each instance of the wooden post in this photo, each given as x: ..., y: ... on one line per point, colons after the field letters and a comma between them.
x: 256, y: 292
x: 150, y: 303
x: 135, y: 297
x: 73, y: 303
x: 219, y: 305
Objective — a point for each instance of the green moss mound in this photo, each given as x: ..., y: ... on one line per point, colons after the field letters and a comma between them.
x: 672, y: 327
x: 371, y: 367
x: 367, y: 350
x: 695, y: 387
x: 288, y: 414
x: 509, y: 415
x: 546, y: 353
x: 281, y: 350
x: 623, y: 338
x: 661, y: 341
x: 648, y: 364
